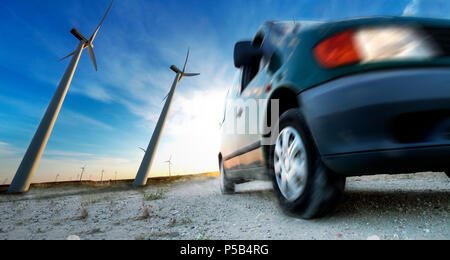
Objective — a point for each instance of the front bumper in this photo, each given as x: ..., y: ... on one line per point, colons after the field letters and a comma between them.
x: 382, y: 122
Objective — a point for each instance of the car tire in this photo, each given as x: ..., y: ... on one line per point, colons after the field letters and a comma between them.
x: 227, y: 186
x: 321, y: 189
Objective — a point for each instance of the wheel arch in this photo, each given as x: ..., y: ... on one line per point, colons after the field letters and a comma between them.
x: 288, y: 100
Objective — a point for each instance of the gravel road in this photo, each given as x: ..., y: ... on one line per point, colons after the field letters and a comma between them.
x: 377, y: 207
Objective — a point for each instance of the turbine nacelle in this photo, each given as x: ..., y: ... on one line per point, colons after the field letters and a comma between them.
x: 178, y: 71
x: 175, y: 69
x: 78, y: 35
x: 182, y: 73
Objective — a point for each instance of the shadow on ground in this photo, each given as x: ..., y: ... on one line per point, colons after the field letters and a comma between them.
x: 385, y: 202
x: 375, y: 202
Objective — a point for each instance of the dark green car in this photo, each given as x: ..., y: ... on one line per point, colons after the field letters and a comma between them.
x: 315, y: 102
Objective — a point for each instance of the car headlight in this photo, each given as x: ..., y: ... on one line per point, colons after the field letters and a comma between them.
x: 374, y: 44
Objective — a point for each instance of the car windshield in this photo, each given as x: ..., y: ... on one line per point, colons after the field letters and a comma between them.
x: 284, y: 27
x: 280, y: 29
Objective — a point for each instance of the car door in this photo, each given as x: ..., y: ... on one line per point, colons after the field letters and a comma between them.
x: 248, y: 139
x: 228, y: 127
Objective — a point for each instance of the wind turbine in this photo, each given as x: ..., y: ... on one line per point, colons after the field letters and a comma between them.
x: 22, y: 179
x: 56, y: 178
x: 146, y: 165
x: 82, y: 172
x: 101, y: 180
x: 170, y: 165
x: 142, y: 149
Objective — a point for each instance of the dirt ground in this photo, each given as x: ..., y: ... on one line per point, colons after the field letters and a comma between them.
x: 377, y: 207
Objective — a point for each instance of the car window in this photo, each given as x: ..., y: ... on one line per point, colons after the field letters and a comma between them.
x: 232, y: 92
x: 236, y: 89
x: 225, y: 106
x: 249, y: 72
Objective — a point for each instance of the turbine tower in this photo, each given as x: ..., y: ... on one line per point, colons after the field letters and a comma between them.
x: 82, y: 172
x: 170, y: 165
x: 22, y: 179
x: 146, y: 165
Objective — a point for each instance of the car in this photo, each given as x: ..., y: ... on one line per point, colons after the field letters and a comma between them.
x: 313, y: 103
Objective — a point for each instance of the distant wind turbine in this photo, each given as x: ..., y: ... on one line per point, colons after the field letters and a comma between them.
x: 82, y: 172
x: 142, y: 149
x: 22, y: 179
x: 147, y: 161
x: 103, y: 171
x: 56, y: 179
x: 170, y: 165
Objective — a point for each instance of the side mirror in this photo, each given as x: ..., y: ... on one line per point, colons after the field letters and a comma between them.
x: 245, y: 54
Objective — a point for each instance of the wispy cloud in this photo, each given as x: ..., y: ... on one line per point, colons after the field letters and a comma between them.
x: 36, y: 111
x: 412, y: 8
x: 78, y: 119
x: 96, y: 92
x: 56, y: 153
x: 6, y: 149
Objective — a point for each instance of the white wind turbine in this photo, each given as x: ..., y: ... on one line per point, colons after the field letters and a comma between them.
x: 82, y: 172
x: 146, y: 165
x: 170, y: 165
x: 101, y: 179
x: 22, y: 179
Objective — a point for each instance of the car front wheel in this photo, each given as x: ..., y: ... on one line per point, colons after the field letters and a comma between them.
x: 302, y: 183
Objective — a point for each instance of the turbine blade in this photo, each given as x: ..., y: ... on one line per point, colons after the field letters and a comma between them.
x: 165, y: 97
x: 101, y: 22
x: 185, y: 63
x: 92, y: 54
x: 70, y: 55
x: 190, y: 74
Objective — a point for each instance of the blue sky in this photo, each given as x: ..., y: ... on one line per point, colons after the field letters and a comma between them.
x: 109, y: 113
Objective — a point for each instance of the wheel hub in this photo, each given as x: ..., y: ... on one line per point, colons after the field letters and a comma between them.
x: 290, y: 163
